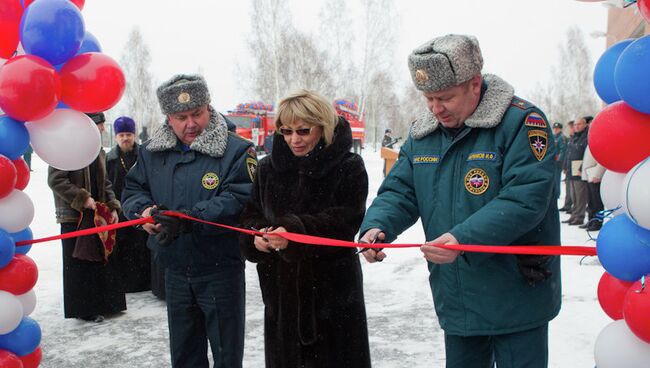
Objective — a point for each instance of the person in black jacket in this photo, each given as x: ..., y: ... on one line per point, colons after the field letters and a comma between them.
x: 312, y: 184
x: 194, y: 165
x: 131, y: 253
x: 575, y: 153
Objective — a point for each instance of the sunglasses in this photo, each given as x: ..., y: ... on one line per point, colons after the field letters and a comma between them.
x: 301, y: 132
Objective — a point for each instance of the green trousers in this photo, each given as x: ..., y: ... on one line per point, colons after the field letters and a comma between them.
x: 527, y: 349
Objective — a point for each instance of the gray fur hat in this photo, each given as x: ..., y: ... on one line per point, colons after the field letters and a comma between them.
x: 445, y: 62
x: 182, y: 93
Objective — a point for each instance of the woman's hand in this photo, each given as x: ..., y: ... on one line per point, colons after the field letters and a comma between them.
x: 262, y: 244
x: 114, y: 217
x: 275, y: 242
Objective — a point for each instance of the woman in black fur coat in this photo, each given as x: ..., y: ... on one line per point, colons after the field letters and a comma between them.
x: 310, y: 184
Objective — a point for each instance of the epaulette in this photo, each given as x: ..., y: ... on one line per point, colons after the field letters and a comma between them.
x: 520, y: 103
x: 239, y: 136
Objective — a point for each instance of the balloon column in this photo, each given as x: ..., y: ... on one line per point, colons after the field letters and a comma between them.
x: 47, y: 60
x: 618, y: 140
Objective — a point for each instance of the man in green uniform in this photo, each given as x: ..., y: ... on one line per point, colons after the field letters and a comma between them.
x: 477, y: 168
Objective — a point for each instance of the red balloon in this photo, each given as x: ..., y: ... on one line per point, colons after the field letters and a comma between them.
x: 92, y: 82
x: 22, y: 171
x: 33, y: 359
x: 635, y: 310
x: 9, y: 360
x: 8, y: 176
x: 19, y: 276
x: 611, y: 293
x: 618, y: 137
x: 10, y: 13
x: 30, y: 88
x: 78, y: 3
x: 644, y: 8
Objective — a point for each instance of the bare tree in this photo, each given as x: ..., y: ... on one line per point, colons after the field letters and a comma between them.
x: 570, y: 91
x: 337, y: 35
x: 139, y: 101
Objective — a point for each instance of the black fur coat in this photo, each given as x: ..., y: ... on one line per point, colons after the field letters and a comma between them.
x: 313, y: 295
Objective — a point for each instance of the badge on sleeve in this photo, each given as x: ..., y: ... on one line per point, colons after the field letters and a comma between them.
x: 477, y: 181
x: 251, y: 166
x: 538, y: 140
x: 535, y: 120
x: 210, y: 181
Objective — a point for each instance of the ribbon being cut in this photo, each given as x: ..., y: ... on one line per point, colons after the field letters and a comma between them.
x: 109, y: 230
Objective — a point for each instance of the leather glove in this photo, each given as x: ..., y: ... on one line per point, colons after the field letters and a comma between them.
x: 171, y: 226
x: 533, y: 267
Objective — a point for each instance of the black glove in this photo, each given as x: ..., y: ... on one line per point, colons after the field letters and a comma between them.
x: 533, y: 267
x: 172, y: 226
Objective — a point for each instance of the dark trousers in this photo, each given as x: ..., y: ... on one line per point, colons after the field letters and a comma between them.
x: 206, y: 307
x: 580, y: 199
x: 595, y: 203
x: 525, y: 349
x: 568, y: 198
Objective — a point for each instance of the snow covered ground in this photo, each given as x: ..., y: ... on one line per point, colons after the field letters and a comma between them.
x: 403, y: 328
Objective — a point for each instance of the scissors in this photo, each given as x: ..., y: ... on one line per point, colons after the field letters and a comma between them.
x: 373, y: 241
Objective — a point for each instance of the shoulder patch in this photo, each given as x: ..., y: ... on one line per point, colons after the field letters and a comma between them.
x: 251, y: 167
x: 538, y: 140
x: 522, y: 104
x: 535, y: 120
x: 251, y: 152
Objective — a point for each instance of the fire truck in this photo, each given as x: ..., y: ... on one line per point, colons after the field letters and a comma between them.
x: 254, y: 120
x: 346, y: 108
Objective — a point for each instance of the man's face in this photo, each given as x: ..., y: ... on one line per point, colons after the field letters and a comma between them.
x: 187, y: 125
x: 453, y: 105
x: 579, y: 125
x: 125, y: 141
x: 557, y: 131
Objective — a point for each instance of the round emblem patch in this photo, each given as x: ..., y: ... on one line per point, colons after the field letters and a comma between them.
x: 477, y: 181
x: 184, y: 97
x: 210, y: 181
x: 421, y: 75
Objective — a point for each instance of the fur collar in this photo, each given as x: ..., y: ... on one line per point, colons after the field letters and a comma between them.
x: 212, y: 141
x: 488, y: 113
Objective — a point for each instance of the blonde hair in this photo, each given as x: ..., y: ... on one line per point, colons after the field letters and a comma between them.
x: 310, y: 107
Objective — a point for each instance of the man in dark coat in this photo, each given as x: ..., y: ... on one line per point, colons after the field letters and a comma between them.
x: 477, y: 168
x: 575, y: 154
x: 314, y: 313
x: 560, y: 146
x: 192, y: 164
x: 131, y: 253
x: 91, y: 289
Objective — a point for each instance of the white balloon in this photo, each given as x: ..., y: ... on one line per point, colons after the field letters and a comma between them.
x: 636, y: 194
x: 66, y: 139
x: 618, y: 347
x: 610, y: 191
x: 11, y: 312
x: 28, y: 300
x: 16, y: 211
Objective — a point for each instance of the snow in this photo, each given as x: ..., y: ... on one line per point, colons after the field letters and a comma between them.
x: 403, y: 328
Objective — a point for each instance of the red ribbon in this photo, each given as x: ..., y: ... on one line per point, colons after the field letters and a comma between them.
x: 551, y: 250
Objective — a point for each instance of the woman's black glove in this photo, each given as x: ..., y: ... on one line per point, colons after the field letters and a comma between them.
x: 533, y: 267
x: 171, y: 226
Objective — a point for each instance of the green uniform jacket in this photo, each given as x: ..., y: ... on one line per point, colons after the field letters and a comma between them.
x: 491, y: 184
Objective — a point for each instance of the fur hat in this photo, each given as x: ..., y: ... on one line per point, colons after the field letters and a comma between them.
x: 97, y: 117
x: 182, y: 93
x: 445, y: 62
x: 123, y: 124
x: 557, y: 125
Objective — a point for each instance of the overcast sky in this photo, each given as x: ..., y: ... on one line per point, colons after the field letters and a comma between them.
x: 519, y: 38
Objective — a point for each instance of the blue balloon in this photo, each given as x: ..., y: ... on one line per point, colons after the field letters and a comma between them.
x: 24, y: 339
x: 604, y: 72
x: 624, y: 248
x: 52, y: 29
x: 632, y: 75
x: 89, y: 44
x: 7, y: 248
x: 61, y: 105
x: 14, y: 138
x: 25, y: 234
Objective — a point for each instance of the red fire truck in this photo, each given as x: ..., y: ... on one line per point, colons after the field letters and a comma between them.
x: 349, y: 110
x: 254, y: 120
